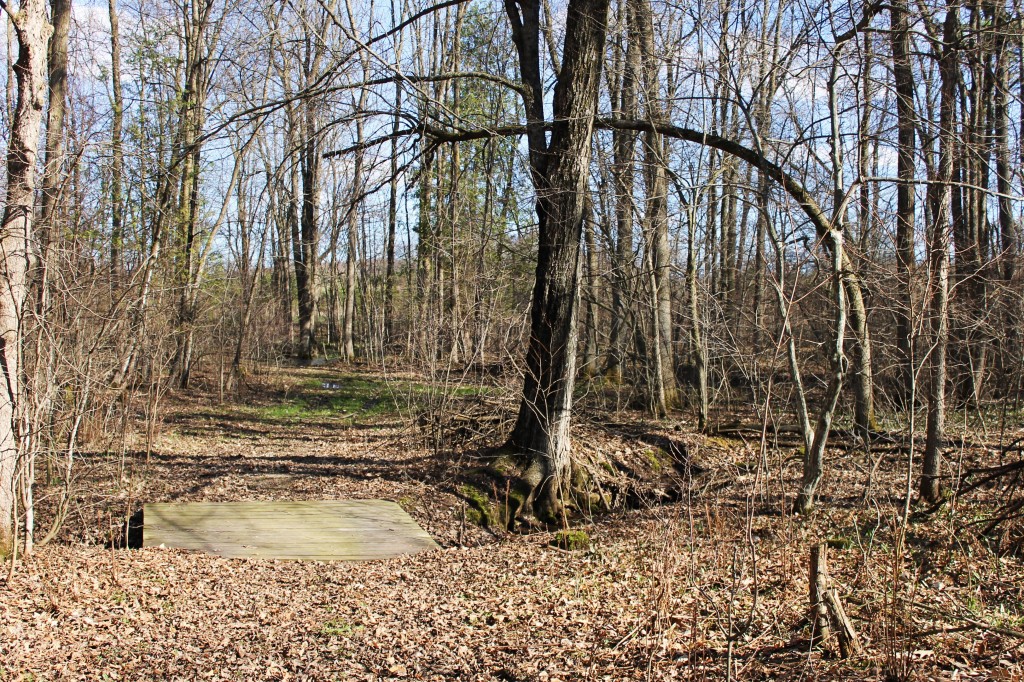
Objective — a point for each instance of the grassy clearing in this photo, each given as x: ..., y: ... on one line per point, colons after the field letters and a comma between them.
x: 353, y: 397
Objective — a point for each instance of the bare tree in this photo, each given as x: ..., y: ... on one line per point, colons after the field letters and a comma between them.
x: 938, y: 254
x: 17, y: 238
x: 560, y: 170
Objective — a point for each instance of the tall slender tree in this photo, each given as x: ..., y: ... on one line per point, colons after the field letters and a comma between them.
x: 17, y: 243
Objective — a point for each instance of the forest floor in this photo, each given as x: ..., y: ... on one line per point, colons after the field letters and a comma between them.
x: 708, y: 583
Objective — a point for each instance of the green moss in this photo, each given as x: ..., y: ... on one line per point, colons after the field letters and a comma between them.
x: 580, y: 478
x: 656, y: 458
x: 506, y: 464
x: 571, y: 540
x: 591, y: 501
x: 518, y: 494
x: 720, y: 442
x: 504, y: 515
x: 479, y: 512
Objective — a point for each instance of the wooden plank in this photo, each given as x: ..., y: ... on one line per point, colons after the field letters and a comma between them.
x: 324, y: 530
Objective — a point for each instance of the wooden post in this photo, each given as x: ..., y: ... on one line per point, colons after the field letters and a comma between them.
x: 820, y: 630
x: 827, y: 612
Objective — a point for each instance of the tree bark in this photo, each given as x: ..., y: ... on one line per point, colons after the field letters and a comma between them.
x: 60, y: 11
x: 16, y: 240
x: 389, y: 274
x: 1008, y: 229
x: 623, y: 150
x: 700, y: 352
x: 247, y: 279
x: 307, y: 246
x: 197, y: 47
x: 862, y: 381
x: 1009, y: 238
x: 938, y: 253
x: 814, y: 456
x: 348, y: 347
x: 590, y: 355
x: 656, y: 228
x: 903, y: 77
x: 116, y: 146
x: 560, y: 171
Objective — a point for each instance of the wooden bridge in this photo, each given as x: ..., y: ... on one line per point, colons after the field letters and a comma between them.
x: 336, y: 530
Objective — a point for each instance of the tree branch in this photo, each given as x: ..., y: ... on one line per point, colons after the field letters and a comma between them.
x: 792, y: 186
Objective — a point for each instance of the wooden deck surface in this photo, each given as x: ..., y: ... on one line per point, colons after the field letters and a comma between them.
x: 337, y: 530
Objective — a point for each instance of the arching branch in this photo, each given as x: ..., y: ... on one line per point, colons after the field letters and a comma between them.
x: 821, y: 221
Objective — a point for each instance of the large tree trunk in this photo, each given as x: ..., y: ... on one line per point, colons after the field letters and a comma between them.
x: 967, y: 356
x: 425, y: 249
x: 282, y: 277
x: 1009, y: 238
x: 16, y: 239
x: 560, y: 171
x: 590, y: 357
x: 247, y: 279
x: 188, y: 299
x: 862, y: 380
x: 192, y: 119
x: 348, y: 345
x: 389, y: 249
x: 53, y: 183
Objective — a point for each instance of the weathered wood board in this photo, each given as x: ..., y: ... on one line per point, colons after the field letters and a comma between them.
x: 335, y: 530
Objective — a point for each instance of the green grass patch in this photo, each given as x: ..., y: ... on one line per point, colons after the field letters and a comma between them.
x: 332, y: 398
x: 841, y: 542
x: 338, y: 628
x: 328, y: 396
x: 571, y: 540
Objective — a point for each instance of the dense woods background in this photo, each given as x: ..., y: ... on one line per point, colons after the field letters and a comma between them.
x: 804, y: 213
